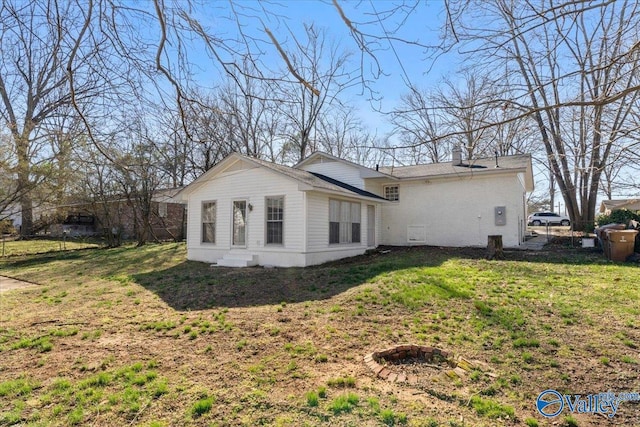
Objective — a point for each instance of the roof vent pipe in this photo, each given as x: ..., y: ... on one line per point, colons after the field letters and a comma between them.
x: 456, y: 155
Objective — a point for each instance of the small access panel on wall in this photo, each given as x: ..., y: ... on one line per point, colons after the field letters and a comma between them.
x: 416, y: 234
x: 500, y: 215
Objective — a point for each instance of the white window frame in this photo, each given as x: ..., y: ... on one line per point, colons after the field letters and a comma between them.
x: 267, y: 221
x: 390, y: 194
x: 347, y: 215
x: 213, y: 221
x: 244, y: 244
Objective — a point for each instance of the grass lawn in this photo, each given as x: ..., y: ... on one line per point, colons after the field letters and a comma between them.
x: 39, y: 246
x: 139, y: 336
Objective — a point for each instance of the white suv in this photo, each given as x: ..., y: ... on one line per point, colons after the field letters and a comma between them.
x: 550, y: 218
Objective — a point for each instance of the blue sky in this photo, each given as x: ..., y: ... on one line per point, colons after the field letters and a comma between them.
x: 398, y: 61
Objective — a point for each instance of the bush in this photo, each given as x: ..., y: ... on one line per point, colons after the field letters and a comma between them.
x: 6, y: 227
x: 620, y: 216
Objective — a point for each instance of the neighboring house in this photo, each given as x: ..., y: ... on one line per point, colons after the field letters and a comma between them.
x: 607, y: 206
x: 246, y: 211
x: 118, y: 216
x: 76, y: 224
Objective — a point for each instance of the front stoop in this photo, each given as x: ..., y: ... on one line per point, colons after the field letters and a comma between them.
x: 238, y: 260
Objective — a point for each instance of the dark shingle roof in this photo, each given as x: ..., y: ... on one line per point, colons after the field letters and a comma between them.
x: 347, y: 186
x: 316, y: 180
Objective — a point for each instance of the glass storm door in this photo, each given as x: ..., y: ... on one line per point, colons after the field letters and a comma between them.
x: 240, y: 223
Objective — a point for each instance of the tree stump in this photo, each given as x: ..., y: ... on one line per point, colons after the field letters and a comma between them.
x: 494, y: 247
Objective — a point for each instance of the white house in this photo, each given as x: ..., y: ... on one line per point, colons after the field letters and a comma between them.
x: 246, y: 211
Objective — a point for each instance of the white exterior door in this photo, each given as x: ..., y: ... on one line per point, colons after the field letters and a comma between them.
x: 239, y: 220
x: 371, y: 226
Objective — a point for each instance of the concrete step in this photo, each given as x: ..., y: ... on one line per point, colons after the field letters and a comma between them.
x: 240, y: 255
x: 238, y: 260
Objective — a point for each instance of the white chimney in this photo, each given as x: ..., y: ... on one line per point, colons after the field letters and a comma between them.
x: 456, y: 155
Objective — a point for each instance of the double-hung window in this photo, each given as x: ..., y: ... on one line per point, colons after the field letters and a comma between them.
x: 208, y: 222
x: 344, y: 222
x: 275, y: 220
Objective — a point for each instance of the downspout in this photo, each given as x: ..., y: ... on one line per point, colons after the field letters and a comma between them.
x: 305, y: 226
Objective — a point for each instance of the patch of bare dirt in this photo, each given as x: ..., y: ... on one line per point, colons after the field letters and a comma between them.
x: 10, y: 284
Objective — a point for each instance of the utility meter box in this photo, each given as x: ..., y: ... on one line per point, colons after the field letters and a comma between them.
x: 500, y: 215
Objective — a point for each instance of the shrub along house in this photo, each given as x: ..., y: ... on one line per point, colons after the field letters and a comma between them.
x: 246, y: 211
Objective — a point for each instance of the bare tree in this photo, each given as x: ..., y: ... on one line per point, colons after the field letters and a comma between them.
x: 340, y: 132
x: 9, y: 196
x: 466, y: 114
x: 618, y: 174
x: 139, y: 177
x: 418, y: 123
x: 175, y: 148
x: 572, y: 62
x: 461, y: 112
x: 323, y: 64
x: 50, y: 70
x: 101, y: 198
x: 210, y: 134
x: 251, y: 108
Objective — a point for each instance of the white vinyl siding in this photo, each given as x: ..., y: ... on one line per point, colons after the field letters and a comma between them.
x: 343, y: 172
x: 305, y: 219
x: 344, y: 222
x: 251, y: 185
x: 318, y: 222
x: 274, y: 220
x: 208, y: 222
x: 371, y: 226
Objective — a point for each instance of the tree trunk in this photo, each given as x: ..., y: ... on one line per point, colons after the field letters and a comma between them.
x: 24, y: 184
x: 26, y: 205
x: 494, y: 247
x: 552, y: 191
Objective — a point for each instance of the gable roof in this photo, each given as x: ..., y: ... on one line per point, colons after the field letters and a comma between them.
x: 319, y: 157
x: 506, y: 164
x: 308, y: 180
